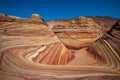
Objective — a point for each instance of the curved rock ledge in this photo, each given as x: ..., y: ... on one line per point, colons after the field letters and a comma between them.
x: 106, y: 49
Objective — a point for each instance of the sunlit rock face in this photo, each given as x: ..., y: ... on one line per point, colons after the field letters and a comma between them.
x: 104, y: 22
x: 32, y: 42
x: 36, y: 17
x: 79, y: 32
x: 29, y: 50
x: 7, y: 18
x: 107, y: 48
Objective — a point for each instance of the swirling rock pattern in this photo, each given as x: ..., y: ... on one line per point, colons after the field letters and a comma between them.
x: 29, y: 50
x: 76, y: 33
x: 106, y: 49
x: 33, y: 43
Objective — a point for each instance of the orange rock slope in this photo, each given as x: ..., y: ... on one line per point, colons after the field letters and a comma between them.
x: 76, y: 33
x: 29, y: 50
x: 106, y: 49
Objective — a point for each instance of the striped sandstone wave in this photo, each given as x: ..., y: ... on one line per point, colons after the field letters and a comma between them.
x: 107, y: 48
x: 29, y: 50
x: 17, y: 35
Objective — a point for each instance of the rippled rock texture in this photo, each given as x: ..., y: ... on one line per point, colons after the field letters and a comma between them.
x: 33, y: 42
x: 80, y: 32
x: 29, y: 50
x: 107, y: 48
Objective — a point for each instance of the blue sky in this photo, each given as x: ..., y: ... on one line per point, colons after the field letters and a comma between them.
x: 52, y: 9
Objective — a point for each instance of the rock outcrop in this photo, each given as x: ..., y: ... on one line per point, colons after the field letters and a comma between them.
x: 4, y: 17
x: 79, y: 32
x: 36, y: 17
x: 105, y: 22
x: 34, y: 41
x: 106, y: 49
x: 29, y: 49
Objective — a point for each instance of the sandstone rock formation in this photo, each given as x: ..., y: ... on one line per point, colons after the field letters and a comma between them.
x: 29, y: 50
x: 106, y: 49
x: 104, y: 22
x: 7, y: 18
x: 79, y: 32
x: 36, y: 17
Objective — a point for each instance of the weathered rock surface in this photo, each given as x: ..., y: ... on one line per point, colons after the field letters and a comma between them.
x: 104, y: 22
x: 29, y: 50
x: 106, y: 49
x: 35, y: 18
x: 79, y: 32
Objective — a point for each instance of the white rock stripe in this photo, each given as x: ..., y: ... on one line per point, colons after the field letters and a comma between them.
x: 30, y: 56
